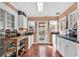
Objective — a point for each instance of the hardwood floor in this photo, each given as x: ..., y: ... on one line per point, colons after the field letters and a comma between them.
x: 38, y: 50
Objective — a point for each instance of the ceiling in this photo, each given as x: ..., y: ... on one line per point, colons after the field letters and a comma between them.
x: 49, y: 9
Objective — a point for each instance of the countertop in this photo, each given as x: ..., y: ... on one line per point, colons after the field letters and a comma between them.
x: 54, y: 32
x: 29, y: 33
x: 67, y: 37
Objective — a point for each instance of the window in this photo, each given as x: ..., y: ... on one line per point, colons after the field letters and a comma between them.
x: 53, y: 25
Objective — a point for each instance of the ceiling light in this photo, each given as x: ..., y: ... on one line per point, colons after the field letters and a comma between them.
x: 57, y: 13
x: 40, y: 6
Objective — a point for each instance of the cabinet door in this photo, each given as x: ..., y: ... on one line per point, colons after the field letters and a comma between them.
x: 72, y: 50
x: 25, y: 22
x: 62, y: 45
x: 59, y: 44
x: 54, y: 40
x: 77, y: 50
x: 30, y: 41
x: 65, y: 50
x: 12, y: 21
x: 2, y: 13
x: 20, y: 24
x: 29, y: 44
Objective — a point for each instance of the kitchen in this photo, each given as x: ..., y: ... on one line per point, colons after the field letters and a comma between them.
x: 19, y: 32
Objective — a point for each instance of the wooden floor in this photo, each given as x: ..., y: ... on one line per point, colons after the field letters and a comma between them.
x: 42, y: 51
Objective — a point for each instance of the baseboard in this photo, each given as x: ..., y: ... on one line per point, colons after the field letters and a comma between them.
x: 59, y: 53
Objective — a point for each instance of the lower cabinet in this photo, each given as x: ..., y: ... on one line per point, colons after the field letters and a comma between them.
x: 58, y: 44
x: 66, y: 48
x: 30, y: 41
x: 62, y: 46
x: 73, y: 51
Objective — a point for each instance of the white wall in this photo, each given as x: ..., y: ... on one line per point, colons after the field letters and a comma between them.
x: 6, y: 8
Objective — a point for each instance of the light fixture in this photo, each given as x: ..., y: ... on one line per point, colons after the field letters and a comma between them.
x: 40, y: 6
x: 57, y: 13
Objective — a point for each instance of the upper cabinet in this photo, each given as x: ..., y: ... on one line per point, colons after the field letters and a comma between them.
x: 22, y: 23
x: 2, y: 19
x: 10, y: 20
x: 6, y: 20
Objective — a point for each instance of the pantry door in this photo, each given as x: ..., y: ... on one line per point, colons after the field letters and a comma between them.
x: 42, y: 31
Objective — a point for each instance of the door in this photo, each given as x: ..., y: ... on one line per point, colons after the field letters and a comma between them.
x: 42, y: 32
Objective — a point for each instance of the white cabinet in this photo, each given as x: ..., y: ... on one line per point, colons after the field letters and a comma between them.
x: 22, y: 21
x: 25, y: 22
x: 30, y: 41
x: 73, y: 51
x: 57, y: 43
x: 70, y: 49
x: 60, y: 45
x: 54, y: 40
x: 7, y: 20
x: 77, y: 50
x: 66, y: 48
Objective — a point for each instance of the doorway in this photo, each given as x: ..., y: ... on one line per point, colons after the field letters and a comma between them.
x: 42, y: 32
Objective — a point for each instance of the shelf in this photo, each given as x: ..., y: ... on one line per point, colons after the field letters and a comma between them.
x: 8, y: 54
x: 21, y: 53
x: 17, y: 46
x: 20, y: 47
x: 41, y: 26
x: 11, y: 49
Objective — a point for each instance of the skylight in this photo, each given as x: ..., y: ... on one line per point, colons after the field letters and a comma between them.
x: 40, y: 6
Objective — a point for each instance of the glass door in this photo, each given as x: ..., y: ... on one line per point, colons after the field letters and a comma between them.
x: 42, y: 31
